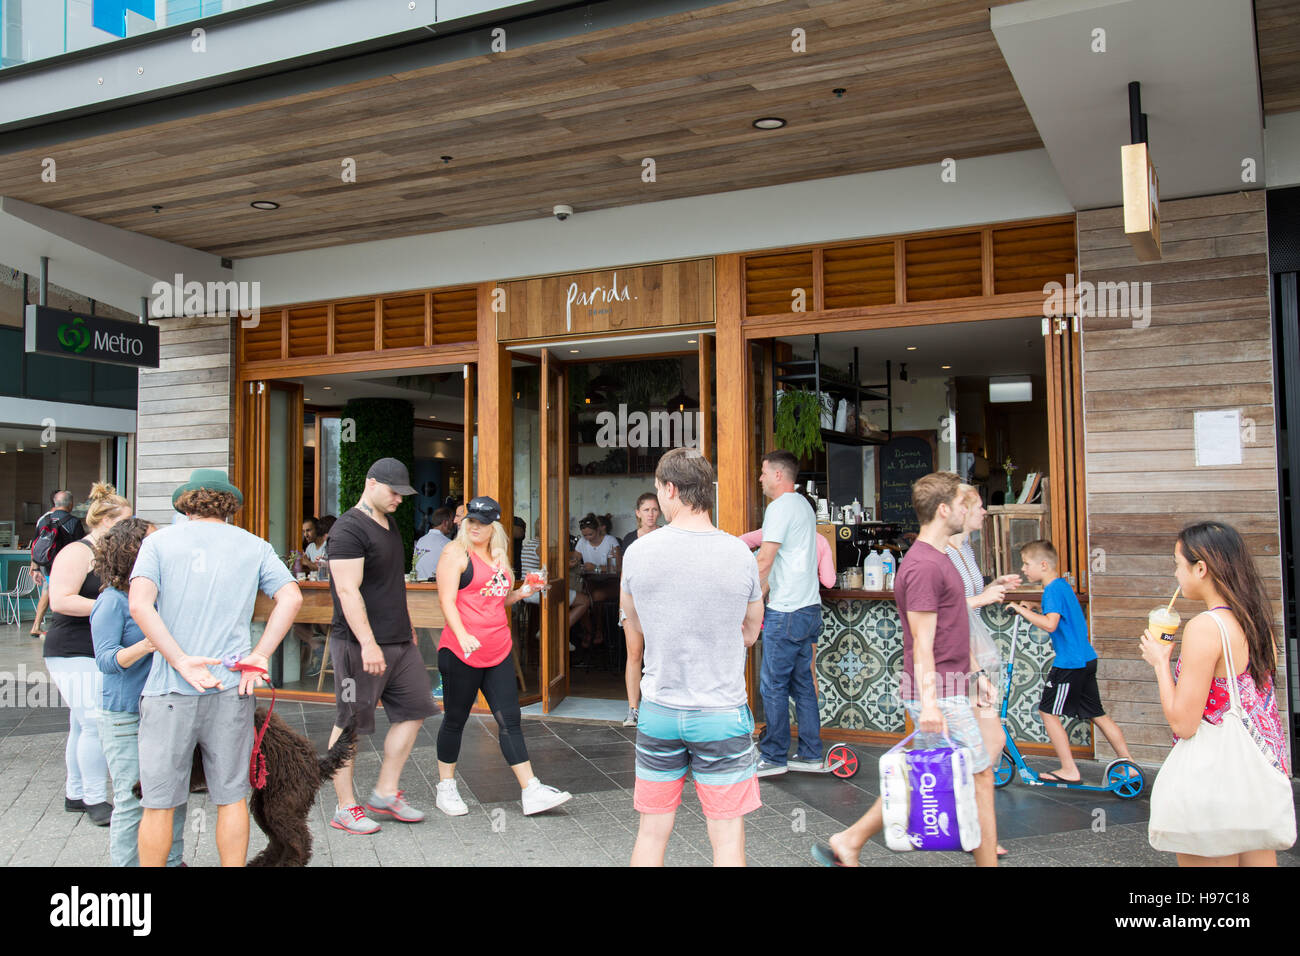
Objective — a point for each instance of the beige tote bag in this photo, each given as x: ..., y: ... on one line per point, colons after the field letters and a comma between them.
x: 1217, y: 793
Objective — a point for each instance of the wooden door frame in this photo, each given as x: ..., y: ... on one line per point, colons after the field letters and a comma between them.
x: 551, y: 620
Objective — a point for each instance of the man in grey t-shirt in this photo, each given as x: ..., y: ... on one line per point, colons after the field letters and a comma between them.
x: 692, y: 602
x: 203, y: 575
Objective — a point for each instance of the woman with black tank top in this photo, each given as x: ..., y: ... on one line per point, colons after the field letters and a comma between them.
x: 70, y: 656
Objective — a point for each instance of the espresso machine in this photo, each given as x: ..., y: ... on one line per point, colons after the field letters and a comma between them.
x: 853, y: 542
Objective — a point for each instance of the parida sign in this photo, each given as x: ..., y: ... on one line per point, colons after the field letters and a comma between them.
x: 91, y: 337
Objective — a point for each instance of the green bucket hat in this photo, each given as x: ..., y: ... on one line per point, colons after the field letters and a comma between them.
x: 207, y: 479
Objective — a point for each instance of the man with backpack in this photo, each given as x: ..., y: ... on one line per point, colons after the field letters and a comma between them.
x: 55, y: 529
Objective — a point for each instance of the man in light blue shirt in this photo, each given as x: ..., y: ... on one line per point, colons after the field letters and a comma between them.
x: 203, y: 575
x: 787, y: 566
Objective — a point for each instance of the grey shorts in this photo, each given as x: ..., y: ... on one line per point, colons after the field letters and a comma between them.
x: 171, y: 726
x: 963, y: 727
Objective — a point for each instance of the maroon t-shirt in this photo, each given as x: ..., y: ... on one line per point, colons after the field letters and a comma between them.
x: 928, y: 581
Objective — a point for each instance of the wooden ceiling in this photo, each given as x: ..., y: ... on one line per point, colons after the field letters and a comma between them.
x: 1277, y: 36
x: 569, y: 121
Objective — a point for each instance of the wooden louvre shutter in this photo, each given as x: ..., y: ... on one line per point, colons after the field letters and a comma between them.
x: 354, y: 326
x: 944, y: 267
x: 1027, y: 258
x: 455, y: 316
x: 855, y: 276
x: 771, y: 282
x: 308, y: 331
x: 403, y: 321
x: 262, y: 341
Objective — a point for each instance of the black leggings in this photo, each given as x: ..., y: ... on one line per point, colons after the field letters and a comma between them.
x: 460, y: 686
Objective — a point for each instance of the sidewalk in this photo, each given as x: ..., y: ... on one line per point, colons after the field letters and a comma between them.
x: 593, y: 761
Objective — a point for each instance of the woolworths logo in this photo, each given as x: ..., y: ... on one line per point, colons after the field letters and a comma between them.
x: 74, y: 337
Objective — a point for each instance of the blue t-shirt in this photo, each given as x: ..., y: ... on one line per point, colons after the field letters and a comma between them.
x: 208, y: 575
x: 1070, y: 639
x: 112, y: 628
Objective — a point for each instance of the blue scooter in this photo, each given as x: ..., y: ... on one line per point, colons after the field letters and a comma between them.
x: 1123, y: 778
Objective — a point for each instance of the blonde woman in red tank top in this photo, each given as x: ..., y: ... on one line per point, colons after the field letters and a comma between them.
x: 475, y: 586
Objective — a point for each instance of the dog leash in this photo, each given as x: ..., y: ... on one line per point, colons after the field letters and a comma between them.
x: 257, y: 761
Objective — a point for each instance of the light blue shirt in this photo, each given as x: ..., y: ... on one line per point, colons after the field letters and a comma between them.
x: 112, y: 628
x: 208, y: 576
x: 792, y: 582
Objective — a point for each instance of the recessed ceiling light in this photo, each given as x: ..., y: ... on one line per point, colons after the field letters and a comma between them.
x: 264, y: 204
x: 327, y: 387
x: 690, y: 341
x: 769, y: 122
x: 306, y: 399
x: 573, y: 351
x: 911, y: 348
x: 945, y: 366
x: 433, y: 416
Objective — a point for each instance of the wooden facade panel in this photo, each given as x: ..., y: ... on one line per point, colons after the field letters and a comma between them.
x: 308, y: 331
x: 354, y: 327
x: 1208, y: 346
x: 638, y: 297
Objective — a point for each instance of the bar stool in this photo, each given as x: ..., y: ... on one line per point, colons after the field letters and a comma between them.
x: 326, y: 664
x: 23, y: 587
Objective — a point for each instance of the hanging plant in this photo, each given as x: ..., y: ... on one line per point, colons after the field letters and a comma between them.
x: 798, y: 422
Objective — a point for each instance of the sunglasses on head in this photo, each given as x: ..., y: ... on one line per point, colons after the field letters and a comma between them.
x: 586, y: 524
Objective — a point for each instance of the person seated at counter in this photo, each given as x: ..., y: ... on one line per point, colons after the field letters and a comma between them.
x: 429, y: 548
x: 591, y: 555
x: 313, y: 543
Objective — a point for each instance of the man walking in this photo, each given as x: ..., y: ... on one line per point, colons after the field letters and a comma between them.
x: 373, y: 645
x: 692, y: 602
x: 204, y: 575
x: 936, y: 661
x: 787, y: 566
x: 54, y: 529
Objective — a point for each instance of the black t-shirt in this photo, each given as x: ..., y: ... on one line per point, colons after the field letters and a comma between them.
x: 69, y: 636
x: 629, y: 539
x: 383, y: 584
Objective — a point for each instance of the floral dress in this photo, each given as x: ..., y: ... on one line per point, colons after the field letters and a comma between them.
x: 1260, y: 705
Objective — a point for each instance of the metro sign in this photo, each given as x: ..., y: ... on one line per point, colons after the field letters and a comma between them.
x: 110, y: 15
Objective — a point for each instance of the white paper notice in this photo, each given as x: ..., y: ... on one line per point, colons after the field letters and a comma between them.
x: 1218, y: 438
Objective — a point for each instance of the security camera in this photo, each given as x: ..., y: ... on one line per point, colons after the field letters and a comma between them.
x: 562, y: 212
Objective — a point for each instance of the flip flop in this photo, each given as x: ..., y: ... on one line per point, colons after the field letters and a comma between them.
x: 824, y: 855
x: 1003, y: 851
x: 1053, y: 778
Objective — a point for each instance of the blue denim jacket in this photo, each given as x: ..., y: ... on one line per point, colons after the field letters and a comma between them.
x: 112, y: 628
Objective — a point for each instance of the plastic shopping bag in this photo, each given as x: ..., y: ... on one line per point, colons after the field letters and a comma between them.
x: 928, y: 798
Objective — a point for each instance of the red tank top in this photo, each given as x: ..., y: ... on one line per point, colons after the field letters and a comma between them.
x: 482, y: 607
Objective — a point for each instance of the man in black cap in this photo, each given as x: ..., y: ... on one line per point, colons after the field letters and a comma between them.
x: 373, y: 645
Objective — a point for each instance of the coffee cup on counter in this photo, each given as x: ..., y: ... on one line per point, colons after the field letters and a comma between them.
x: 855, y: 578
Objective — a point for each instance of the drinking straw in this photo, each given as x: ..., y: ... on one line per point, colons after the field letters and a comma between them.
x: 1174, y: 598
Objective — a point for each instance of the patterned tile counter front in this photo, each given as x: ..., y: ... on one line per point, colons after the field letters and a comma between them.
x: 860, y: 657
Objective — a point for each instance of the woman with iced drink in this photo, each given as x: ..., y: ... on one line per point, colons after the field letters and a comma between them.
x: 962, y: 555
x: 475, y: 586
x: 1214, y: 567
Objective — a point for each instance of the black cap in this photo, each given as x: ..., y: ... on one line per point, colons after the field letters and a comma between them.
x: 483, y: 509
x: 392, y: 473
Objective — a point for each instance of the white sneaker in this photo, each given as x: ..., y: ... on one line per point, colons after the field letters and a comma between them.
x: 631, y: 718
x: 449, y: 801
x: 538, y: 797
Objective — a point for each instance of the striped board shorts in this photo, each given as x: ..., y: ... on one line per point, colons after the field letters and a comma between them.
x: 963, y: 727
x: 716, y: 745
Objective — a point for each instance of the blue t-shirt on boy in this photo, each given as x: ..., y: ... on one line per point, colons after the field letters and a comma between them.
x: 1070, y: 639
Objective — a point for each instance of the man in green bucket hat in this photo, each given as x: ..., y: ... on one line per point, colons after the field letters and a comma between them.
x: 192, y: 593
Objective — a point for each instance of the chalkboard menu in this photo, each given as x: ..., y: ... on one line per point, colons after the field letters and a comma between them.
x: 903, y: 459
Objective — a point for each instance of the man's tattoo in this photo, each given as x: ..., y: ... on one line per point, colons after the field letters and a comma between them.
x: 367, y: 509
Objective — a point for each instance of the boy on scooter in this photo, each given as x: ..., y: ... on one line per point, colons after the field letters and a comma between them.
x: 1071, y: 688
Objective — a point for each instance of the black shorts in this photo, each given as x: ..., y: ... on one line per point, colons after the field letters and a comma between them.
x: 403, y: 686
x: 1072, y: 692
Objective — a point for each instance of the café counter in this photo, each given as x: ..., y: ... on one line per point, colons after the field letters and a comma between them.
x: 318, y: 608
x: 860, y: 656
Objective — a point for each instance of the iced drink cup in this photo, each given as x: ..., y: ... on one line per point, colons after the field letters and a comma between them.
x: 1163, y: 622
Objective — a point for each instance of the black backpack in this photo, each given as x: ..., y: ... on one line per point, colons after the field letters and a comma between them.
x: 52, y: 533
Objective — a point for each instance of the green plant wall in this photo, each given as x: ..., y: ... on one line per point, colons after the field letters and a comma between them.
x: 383, y: 428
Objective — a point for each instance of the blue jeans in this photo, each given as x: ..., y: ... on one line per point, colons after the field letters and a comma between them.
x: 119, y: 733
x: 788, y: 637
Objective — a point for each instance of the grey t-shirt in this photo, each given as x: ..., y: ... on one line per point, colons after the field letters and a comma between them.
x: 691, y: 590
x: 208, y: 576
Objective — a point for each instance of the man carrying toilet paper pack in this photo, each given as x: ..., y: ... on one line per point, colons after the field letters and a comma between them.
x: 936, y: 661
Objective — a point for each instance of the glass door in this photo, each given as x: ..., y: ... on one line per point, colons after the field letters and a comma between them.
x: 554, y: 530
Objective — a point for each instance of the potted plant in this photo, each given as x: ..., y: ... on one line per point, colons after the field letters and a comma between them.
x: 799, y: 421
